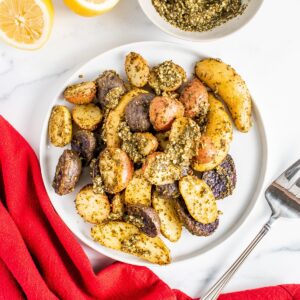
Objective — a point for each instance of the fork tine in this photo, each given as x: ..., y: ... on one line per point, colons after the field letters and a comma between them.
x: 288, y: 177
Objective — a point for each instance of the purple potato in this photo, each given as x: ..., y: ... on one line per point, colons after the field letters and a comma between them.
x: 222, y: 179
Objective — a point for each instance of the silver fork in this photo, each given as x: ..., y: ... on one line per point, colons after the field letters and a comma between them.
x: 283, y: 196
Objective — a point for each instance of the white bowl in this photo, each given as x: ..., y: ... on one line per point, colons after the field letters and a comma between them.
x: 216, y: 33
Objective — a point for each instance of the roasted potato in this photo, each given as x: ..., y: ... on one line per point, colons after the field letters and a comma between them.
x: 87, y: 116
x: 171, y: 226
x: 81, y: 93
x: 110, y: 89
x: 137, y: 113
x: 158, y: 169
x: 194, y: 98
x: 215, y: 141
x: 93, y: 208
x: 60, y: 126
x: 222, y: 179
x: 67, y: 172
x: 127, y: 238
x: 166, y: 77
x: 146, y: 142
x: 116, y: 169
x: 224, y: 81
x: 168, y: 191
x: 163, y: 111
x: 117, y: 207
x: 192, y: 225
x: 115, y: 116
x: 163, y: 139
x: 199, y: 199
x: 137, y: 69
x: 143, y: 217
x: 138, y: 191
x: 84, y: 142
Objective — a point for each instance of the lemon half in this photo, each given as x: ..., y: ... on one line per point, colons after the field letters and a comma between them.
x: 26, y: 24
x: 89, y: 8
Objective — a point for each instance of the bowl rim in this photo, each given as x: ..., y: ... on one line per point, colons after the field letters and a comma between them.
x: 191, y: 39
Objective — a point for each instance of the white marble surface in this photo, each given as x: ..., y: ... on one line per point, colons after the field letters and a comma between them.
x: 266, y: 52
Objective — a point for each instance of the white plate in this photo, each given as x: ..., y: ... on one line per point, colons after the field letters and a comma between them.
x: 249, y: 152
x: 219, y: 32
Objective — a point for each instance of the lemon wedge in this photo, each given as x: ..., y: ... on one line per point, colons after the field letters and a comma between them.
x: 89, y: 8
x: 25, y: 24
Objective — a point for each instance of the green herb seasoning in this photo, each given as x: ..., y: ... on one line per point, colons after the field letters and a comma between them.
x: 198, y: 15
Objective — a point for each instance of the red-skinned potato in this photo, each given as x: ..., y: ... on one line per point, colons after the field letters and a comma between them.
x: 206, y: 151
x: 163, y: 111
x: 194, y: 97
x: 116, y: 169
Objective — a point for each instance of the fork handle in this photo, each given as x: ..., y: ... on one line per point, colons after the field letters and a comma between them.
x: 216, y: 289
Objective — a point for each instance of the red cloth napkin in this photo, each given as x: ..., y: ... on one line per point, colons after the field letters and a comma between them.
x: 41, y: 259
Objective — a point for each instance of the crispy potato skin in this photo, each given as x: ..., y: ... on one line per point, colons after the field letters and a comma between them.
x: 81, y: 93
x: 225, y: 81
x: 194, y: 97
x: 115, y: 116
x: 93, y: 208
x: 67, y: 172
x: 116, y: 169
x: 60, y: 126
x: 127, y: 238
x: 87, y: 116
x: 215, y: 142
x: 199, y: 199
x: 163, y: 111
x: 137, y: 69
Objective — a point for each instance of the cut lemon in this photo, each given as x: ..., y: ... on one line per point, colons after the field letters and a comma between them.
x: 90, y: 8
x: 26, y: 24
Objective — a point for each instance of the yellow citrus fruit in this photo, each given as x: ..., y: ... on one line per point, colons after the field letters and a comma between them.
x: 26, y: 24
x: 90, y: 8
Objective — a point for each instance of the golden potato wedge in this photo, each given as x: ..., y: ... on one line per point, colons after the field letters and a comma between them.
x: 225, y: 81
x: 92, y: 207
x: 87, y: 116
x: 159, y: 170
x: 146, y: 142
x: 170, y: 225
x: 127, y: 238
x: 116, y: 169
x: 60, y: 126
x: 215, y: 141
x: 115, y: 116
x: 199, y: 199
x: 138, y: 190
x: 81, y: 93
x: 137, y: 69
x: 117, y: 207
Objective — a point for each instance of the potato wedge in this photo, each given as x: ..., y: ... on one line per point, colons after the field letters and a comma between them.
x: 115, y: 116
x: 81, y: 93
x: 117, y: 207
x: 92, y: 207
x: 170, y: 225
x: 60, y: 126
x: 159, y: 170
x: 199, y: 199
x: 87, y: 116
x: 225, y: 81
x: 138, y: 190
x: 127, y: 238
x: 215, y: 141
x: 137, y: 69
x: 146, y: 142
x: 116, y: 169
